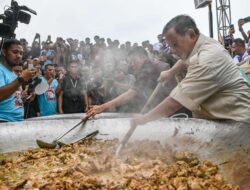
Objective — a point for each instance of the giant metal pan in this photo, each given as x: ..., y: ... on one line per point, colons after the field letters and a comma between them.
x: 226, y: 143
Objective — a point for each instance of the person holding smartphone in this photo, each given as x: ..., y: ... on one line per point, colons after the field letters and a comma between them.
x: 11, y: 108
x: 241, y: 22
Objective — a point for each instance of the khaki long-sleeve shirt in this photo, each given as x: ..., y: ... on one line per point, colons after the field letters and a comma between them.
x: 213, y: 87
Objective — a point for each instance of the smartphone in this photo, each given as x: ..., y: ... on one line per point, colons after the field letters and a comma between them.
x: 30, y: 66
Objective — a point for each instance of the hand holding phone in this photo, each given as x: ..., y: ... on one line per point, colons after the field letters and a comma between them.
x: 30, y: 66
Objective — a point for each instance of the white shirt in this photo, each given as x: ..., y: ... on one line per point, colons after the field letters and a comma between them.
x: 238, y: 58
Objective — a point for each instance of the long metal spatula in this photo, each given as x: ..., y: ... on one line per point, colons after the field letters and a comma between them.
x: 88, y: 136
x: 43, y: 144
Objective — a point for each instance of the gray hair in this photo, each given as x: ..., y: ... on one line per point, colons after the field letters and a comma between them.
x: 181, y: 24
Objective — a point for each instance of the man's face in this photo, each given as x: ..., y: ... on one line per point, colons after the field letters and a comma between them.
x: 136, y: 63
x: 180, y: 45
x: 13, y: 55
x: 18, y: 70
x: 237, y: 48
x: 49, y: 72
x: 73, y: 68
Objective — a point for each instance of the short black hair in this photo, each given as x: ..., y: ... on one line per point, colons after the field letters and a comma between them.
x: 8, y: 43
x: 239, y: 41
x: 181, y: 24
x: 46, y: 66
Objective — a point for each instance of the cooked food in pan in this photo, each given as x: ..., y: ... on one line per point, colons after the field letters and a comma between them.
x: 92, y: 164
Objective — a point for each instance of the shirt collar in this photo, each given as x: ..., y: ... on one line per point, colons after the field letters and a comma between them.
x: 197, y: 45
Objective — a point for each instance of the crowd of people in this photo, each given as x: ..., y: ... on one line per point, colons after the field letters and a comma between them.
x: 72, y: 76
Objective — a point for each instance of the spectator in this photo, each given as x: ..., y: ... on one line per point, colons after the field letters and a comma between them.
x: 71, y: 98
x: 128, y: 46
x: 36, y: 46
x: 158, y: 46
x: 11, y: 106
x: 240, y: 51
x: 18, y: 69
x: 26, y: 50
x: 48, y: 52
x: 61, y: 52
x: 48, y: 101
x: 241, y: 22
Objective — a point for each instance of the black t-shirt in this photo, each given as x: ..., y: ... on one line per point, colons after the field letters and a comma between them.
x: 73, y: 98
x: 146, y: 81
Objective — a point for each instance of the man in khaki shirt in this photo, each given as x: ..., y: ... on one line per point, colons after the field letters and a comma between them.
x: 213, y: 87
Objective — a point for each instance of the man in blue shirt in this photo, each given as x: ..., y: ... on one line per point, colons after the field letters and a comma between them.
x: 11, y: 108
x: 48, y: 101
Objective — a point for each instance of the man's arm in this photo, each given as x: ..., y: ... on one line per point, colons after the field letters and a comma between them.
x: 60, y: 101
x: 166, y: 108
x: 121, y: 85
x: 165, y: 76
x: 241, y: 22
x: 7, y: 90
x: 123, y: 98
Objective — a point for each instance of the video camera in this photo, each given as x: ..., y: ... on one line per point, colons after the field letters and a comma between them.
x: 11, y: 17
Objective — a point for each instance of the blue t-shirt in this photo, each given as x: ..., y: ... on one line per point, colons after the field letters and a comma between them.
x: 11, y: 109
x: 48, y: 101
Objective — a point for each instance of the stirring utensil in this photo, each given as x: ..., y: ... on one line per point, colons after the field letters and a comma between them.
x: 125, y: 139
x: 88, y: 136
x: 43, y: 144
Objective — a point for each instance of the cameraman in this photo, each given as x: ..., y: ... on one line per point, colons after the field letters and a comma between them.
x: 10, y: 109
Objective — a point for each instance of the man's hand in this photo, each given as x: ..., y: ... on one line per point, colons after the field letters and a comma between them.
x: 61, y: 76
x: 165, y: 76
x: 28, y: 74
x: 241, y: 22
x: 138, y: 119
x: 95, y: 110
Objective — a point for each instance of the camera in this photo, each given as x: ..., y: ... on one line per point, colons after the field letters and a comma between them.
x: 11, y: 17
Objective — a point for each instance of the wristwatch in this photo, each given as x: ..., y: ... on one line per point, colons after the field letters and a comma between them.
x: 20, y: 80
